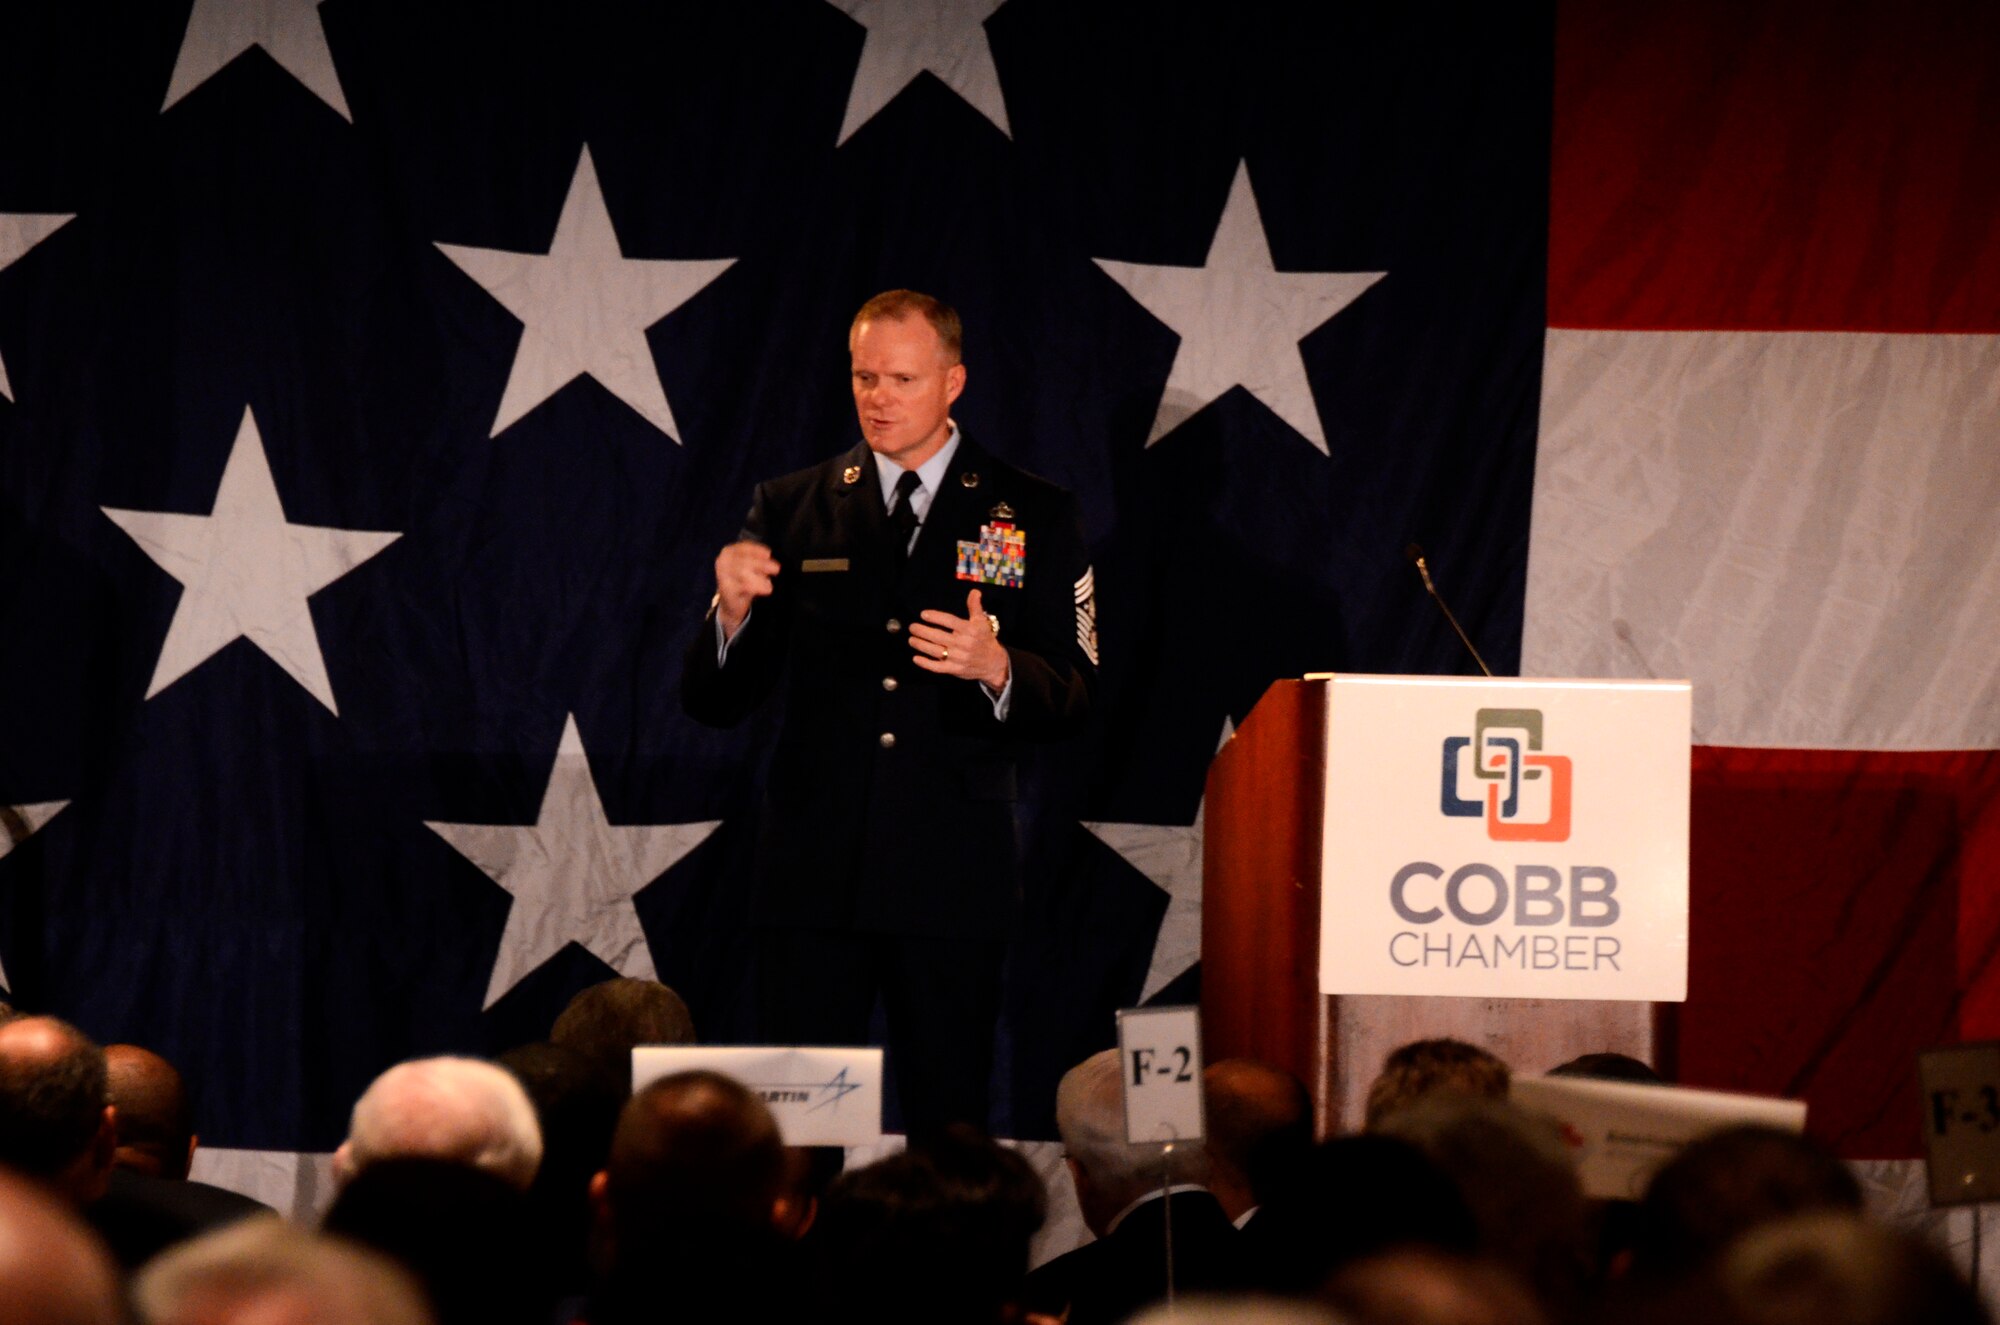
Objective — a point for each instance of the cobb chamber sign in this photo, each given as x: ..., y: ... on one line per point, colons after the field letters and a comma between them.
x: 1506, y: 839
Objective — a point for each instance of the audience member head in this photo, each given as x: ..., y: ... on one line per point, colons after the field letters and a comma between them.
x: 1724, y: 1184
x: 607, y: 1021
x: 459, y: 1109
x: 56, y: 1122
x: 1229, y: 1310
x: 935, y: 1233
x: 1260, y: 1126
x: 462, y: 1232
x: 1614, y: 1222
x: 1423, y: 1286
x: 1424, y: 1066
x: 1609, y: 1067
x: 52, y: 1270
x: 155, y: 1125
x: 1519, y: 1180
x: 1352, y: 1197
x: 1111, y: 1174
x: 577, y: 1106
x: 809, y: 1174
x: 264, y: 1272
x: 1835, y: 1269
x: 694, y: 1154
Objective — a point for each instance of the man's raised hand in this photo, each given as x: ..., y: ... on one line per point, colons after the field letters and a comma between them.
x: 743, y: 574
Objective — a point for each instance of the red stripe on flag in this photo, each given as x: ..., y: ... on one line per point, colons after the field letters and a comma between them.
x: 1836, y: 897
x: 1785, y: 165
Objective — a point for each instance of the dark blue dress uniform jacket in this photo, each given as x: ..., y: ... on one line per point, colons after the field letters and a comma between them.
x: 890, y: 806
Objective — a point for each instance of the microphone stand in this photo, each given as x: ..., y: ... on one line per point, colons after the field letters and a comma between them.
x: 1416, y: 556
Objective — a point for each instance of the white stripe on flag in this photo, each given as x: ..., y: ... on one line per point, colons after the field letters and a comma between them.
x: 1806, y: 524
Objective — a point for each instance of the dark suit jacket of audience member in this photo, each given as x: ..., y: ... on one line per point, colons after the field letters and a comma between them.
x: 1114, y: 1277
x: 140, y: 1216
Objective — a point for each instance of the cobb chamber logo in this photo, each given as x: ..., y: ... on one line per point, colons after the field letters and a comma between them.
x: 1507, y: 761
x: 1501, y: 775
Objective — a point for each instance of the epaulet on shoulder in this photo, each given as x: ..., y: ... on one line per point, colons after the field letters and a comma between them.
x: 827, y: 471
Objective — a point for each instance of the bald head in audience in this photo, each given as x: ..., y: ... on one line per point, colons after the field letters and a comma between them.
x: 56, y: 1122
x: 692, y: 1195
x: 155, y: 1127
x: 693, y: 1150
x: 1260, y: 1129
x: 52, y: 1270
x: 265, y: 1272
x: 1424, y: 1286
x: 459, y: 1109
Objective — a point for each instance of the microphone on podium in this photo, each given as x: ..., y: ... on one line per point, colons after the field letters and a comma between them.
x: 1416, y: 556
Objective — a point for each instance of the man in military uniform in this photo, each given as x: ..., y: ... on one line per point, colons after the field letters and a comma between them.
x: 928, y: 609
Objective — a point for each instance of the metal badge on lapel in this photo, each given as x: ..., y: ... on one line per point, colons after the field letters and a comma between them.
x: 968, y: 479
x: 1003, y: 512
x: 851, y: 474
x: 999, y: 557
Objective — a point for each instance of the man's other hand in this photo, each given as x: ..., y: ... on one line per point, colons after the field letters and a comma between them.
x: 964, y: 646
x: 743, y: 574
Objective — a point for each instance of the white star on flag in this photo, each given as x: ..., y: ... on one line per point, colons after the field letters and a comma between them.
x: 19, y: 232
x: 572, y: 873
x: 289, y: 31
x: 1240, y: 319
x: 246, y: 571
x: 1171, y: 857
x: 18, y: 823
x: 907, y: 37
x: 584, y: 307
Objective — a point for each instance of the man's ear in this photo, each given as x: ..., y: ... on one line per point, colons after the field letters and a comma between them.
x: 954, y: 382
x: 343, y: 1164
x: 602, y: 1238
x: 1076, y: 1174
x: 86, y: 1178
x: 104, y: 1146
x: 194, y: 1142
x: 793, y: 1216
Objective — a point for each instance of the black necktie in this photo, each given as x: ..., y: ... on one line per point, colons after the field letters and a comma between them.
x: 903, y: 515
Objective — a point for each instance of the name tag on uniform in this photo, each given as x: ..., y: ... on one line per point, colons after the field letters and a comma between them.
x: 813, y: 564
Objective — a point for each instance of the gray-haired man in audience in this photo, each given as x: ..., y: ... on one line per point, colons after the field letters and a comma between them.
x: 1126, y: 1192
x: 459, y: 1109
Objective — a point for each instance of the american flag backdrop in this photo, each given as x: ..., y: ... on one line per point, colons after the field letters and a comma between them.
x: 378, y: 381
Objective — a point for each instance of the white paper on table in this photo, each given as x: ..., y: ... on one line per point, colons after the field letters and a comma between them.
x: 1622, y: 1131
x: 820, y: 1097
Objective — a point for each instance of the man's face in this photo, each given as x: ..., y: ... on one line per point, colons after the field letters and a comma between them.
x: 903, y: 388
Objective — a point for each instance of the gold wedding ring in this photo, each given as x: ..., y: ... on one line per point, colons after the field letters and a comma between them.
x: 944, y: 653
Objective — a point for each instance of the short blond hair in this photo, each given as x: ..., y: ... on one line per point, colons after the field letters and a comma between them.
x: 895, y: 305
x: 263, y: 1261
x: 1422, y: 1067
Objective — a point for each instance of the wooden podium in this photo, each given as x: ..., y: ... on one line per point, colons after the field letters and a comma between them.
x: 1260, y: 937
